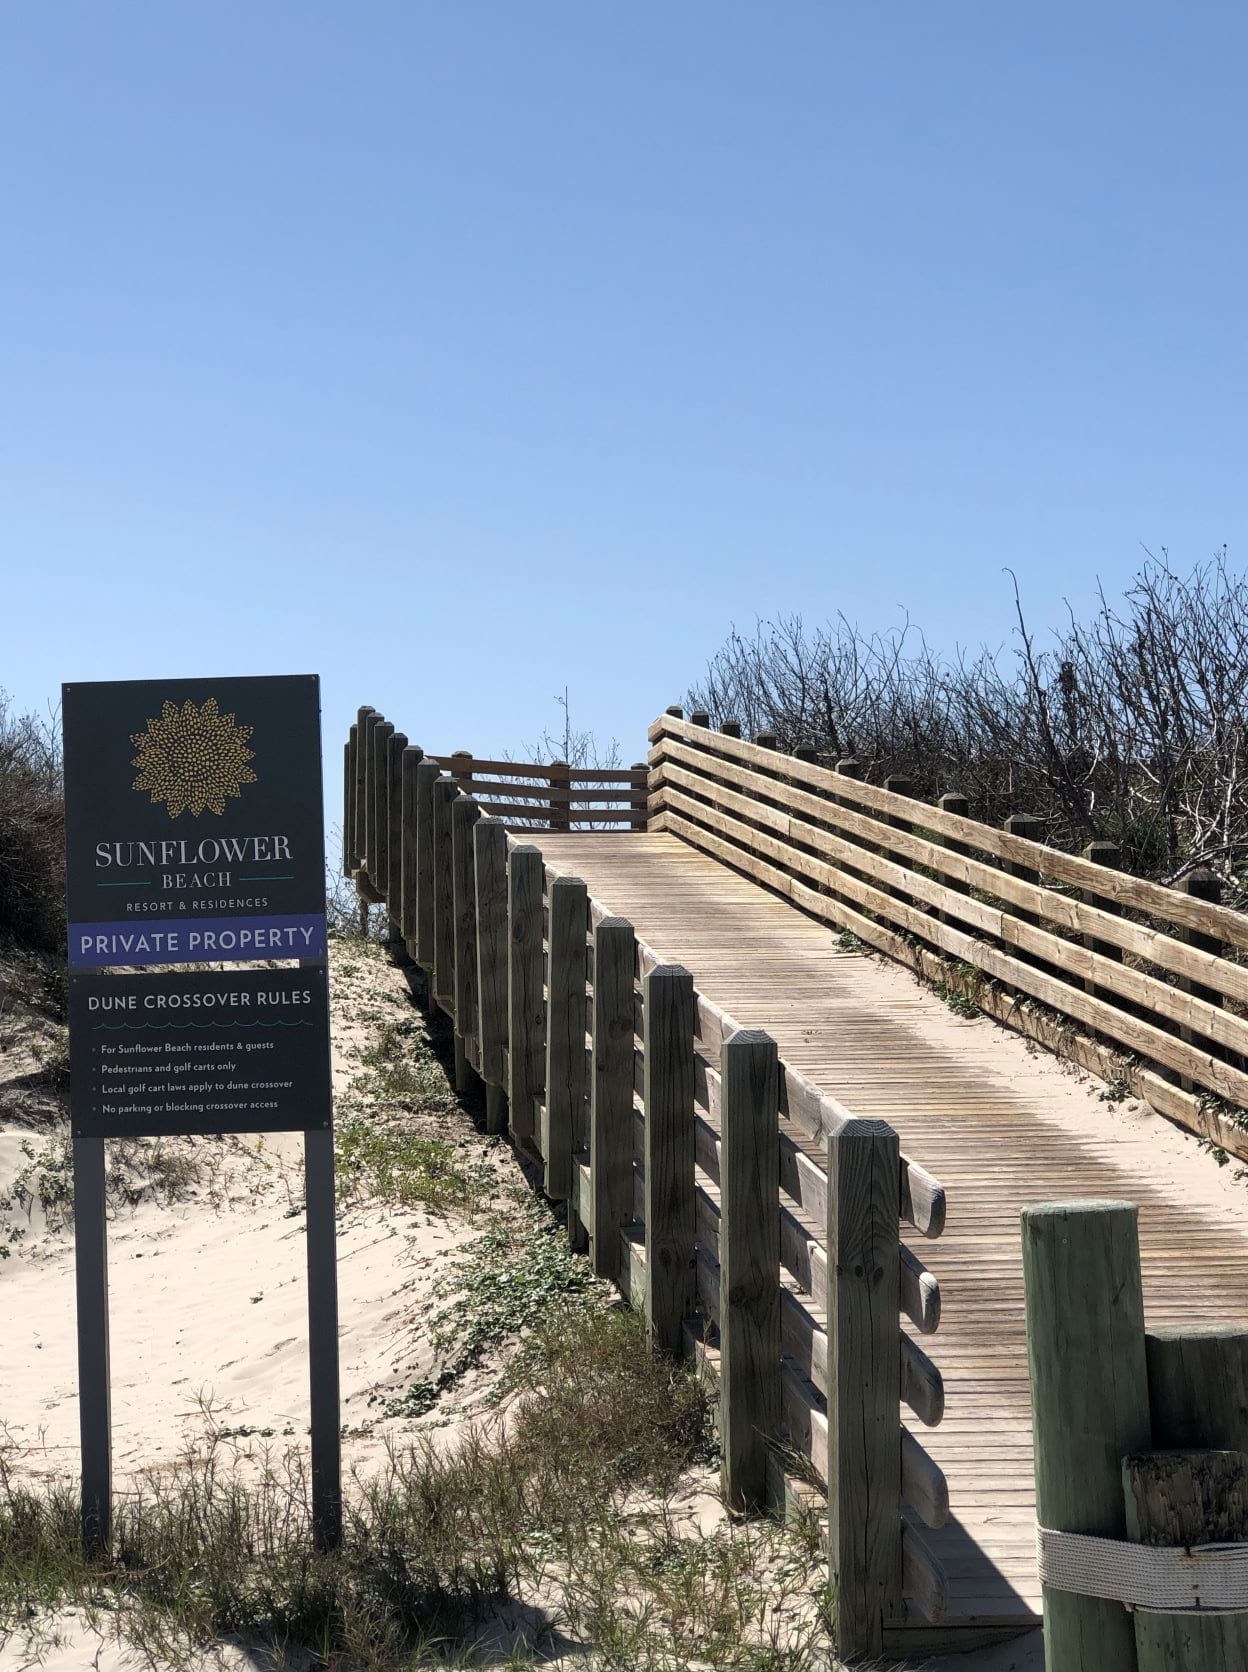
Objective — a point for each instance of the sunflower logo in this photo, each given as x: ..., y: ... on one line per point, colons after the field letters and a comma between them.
x: 193, y: 758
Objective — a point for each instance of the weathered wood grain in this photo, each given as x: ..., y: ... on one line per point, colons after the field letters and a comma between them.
x: 409, y: 885
x: 1188, y: 1499
x: 489, y: 841
x: 1135, y: 892
x: 863, y: 1395
x: 566, y: 968
x: 383, y: 731
x: 350, y: 863
x: 464, y: 815
x: 611, y: 1093
x: 667, y: 1097
x: 1089, y: 1390
x: 445, y: 795
x: 427, y: 775
x: 749, y: 1257
x: 526, y: 1002
x: 396, y: 744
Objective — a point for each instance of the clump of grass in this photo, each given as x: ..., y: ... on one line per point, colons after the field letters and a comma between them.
x: 518, y: 1279
x: 162, y: 1170
x: 962, y: 1004
x: 400, y: 1067
x: 1115, y: 1090
x: 52, y: 1055
x: 222, y: 1544
x: 381, y: 1160
x: 638, y: 1416
x: 380, y: 1154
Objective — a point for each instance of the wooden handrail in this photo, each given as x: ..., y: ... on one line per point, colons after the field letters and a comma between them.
x: 1152, y: 898
x: 1063, y: 910
x: 526, y: 769
x: 880, y: 864
x: 1177, y: 1006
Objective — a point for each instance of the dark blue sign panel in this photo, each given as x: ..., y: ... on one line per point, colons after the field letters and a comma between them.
x: 154, y: 1055
x: 193, y: 817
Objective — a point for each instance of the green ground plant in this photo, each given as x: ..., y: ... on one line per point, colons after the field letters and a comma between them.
x: 569, y: 1498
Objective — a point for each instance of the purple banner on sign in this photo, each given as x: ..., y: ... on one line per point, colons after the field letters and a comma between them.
x: 94, y: 946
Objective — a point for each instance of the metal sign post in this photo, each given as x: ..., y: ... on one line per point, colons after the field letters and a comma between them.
x: 194, y: 836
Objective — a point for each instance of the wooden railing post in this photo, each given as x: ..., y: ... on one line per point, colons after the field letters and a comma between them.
x: 489, y: 840
x: 369, y: 789
x: 731, y: 728
x: 749, y: 1262
x: 382, y: 733
x: 369, y: 718
x: 566, y: 975
x: 1089, y: 1395
x: 1031, y: 829
x: 409, y: 885
x: 899, y: 785
x: 767, y: 739
x: 461, y: 770
x: 349, y: 862
x: 675, y: 710
x: 1198, y: 1403
x: 953, y: 802
x: 526, y: 1003
x: 560, y: 796
x: 445, y: 795
x: 1110, y: 855
x: 396, y: 744
x: 864, y: 1402
x: 1188, y: 1499
x: 427, y: 775
x: 464, y: 815
x: 611, y: 1093
x: 806, y: 752
x: 359, y: 791
x: 639, y: 794
x: 1201, y: 884
x: 669, y: 1019
x: 850, y: 767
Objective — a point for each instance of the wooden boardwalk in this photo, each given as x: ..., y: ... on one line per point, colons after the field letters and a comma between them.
x: 997, y: 1130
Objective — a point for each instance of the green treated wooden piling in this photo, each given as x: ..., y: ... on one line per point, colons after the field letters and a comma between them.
x: 1198, y: 1395
x: 1089, y: 1392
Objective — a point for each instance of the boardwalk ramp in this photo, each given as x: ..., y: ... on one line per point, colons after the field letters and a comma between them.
x: 776, y: 885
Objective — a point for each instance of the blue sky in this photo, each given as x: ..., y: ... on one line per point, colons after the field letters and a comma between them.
x: 460, y: 352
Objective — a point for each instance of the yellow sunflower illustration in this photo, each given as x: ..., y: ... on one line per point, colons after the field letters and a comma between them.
x: 193, y: 758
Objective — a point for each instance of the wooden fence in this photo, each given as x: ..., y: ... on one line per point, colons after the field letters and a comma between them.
x: 554, y: 796
x: 1143, y: 984
x: 751, y: 1219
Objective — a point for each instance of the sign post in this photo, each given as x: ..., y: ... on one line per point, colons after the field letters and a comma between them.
x: 194, y: 837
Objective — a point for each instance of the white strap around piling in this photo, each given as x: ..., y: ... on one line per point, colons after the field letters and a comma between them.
x: 1159, y: 1579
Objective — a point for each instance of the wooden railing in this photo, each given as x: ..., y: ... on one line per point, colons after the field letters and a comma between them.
x: 1152, y: 978
x: 525, y: 795
x: 749, y: 1217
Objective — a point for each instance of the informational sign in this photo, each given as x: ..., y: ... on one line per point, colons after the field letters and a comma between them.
x: 194, y: 826
x: 226, y: 1051
x: 194, y: 836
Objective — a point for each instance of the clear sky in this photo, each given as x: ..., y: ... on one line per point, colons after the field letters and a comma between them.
x: 459, y: 352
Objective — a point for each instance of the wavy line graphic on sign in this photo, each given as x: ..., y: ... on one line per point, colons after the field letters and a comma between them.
x: 193, y: 758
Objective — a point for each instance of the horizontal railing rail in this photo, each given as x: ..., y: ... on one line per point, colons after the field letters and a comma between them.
x: 1039, y: 938
x: 555, y: 796
x: 749, y: 1216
